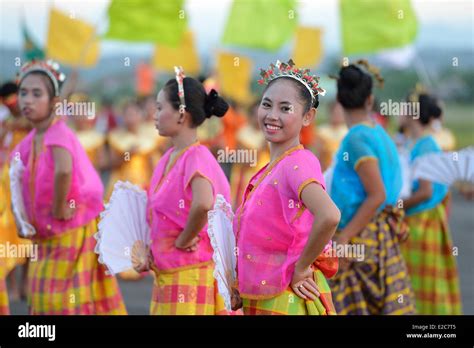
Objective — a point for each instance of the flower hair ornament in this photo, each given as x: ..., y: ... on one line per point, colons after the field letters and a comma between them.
x: 179, y: 72
x: 364, y: 65
x: 49, y: 67
x: 279, y: 69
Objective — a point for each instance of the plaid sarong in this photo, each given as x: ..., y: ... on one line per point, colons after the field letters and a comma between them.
x: 288, y: 303
x: 379, y: 284
x: 428, y: 253
x: 187, y: 292
x: 68, y: 279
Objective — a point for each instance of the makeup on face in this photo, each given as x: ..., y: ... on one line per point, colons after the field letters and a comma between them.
x: 280, y: 112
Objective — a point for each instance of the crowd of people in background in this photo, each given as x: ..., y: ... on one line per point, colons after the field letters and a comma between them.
x: 122, y: 143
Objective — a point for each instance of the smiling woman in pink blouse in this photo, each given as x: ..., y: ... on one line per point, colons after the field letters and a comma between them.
x: 286, y: 219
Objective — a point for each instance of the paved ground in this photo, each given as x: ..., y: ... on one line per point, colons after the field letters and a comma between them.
x: 137, y: 294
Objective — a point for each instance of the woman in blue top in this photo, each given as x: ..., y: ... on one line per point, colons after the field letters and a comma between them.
x: 365, y: 187
x: 429, y: 250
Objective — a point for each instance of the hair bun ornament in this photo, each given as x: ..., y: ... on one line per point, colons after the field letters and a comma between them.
x: 365, y: 66
x: 373, y: 70
x: 49, y: 67
x: 279, y: 69
x: 419, y: 90
x: 179, y: 75
x: 210, y: 102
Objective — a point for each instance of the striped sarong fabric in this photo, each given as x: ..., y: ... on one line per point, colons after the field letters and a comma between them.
x: 288, y: 303
x: 187, y: 292
x: 68, y: 279
x: 431, y: 263
x: 379, y: 284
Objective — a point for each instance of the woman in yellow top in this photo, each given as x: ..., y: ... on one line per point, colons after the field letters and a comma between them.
x: 13, y: 130
x: 130, y: 149
x: 91, y: 140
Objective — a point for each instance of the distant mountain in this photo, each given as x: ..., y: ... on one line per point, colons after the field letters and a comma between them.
x: 111, y: 69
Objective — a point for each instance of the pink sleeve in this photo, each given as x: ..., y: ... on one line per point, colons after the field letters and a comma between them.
x: 302, y: 170
x: 60, y: 135
x: 198, y: 163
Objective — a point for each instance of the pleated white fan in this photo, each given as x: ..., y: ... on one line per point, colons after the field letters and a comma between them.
x: 16, y: 174
x: 447, y: 167
x: 223, y: 242
x: 123, y: 236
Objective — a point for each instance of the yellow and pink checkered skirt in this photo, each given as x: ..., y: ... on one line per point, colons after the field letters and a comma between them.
x: 67, y: 278
x: 288, y: 303
x: 187, y: 292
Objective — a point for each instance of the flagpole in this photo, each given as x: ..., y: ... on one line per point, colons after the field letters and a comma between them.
x: 421, y: 71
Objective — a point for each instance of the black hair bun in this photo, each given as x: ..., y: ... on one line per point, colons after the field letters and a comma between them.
x: 354, y: 86
x: 429, y: 108
x: 350, y: 76
x: 215, y: 105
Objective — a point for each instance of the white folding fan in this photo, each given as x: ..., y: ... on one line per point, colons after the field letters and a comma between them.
x: 223, y: 242
x: 123, y: 236
x: 16, y: 174
x: 447, y: 167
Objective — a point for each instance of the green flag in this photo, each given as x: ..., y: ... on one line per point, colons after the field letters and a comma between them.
x: 264, y: 24
x: 30, y: 49
x: 373, y: 25
x: 156, y: 21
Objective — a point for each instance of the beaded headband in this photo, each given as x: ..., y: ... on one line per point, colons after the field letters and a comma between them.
x: 279, y: 69
x: 49, y: 67
x: 179, y: 79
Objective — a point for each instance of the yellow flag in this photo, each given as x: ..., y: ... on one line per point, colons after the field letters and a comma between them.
x: 185, y: 55
x: 307, y: 51
x: 71, y: 41
x: 234, y: 76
